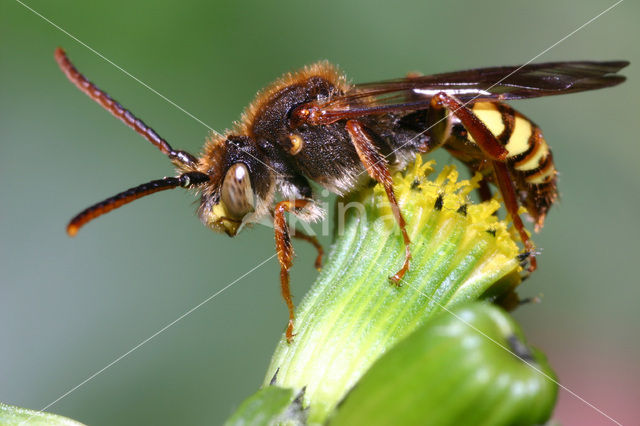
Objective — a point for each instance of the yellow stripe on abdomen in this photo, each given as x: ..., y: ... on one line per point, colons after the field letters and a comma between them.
x: 491, y: 117
x: 533, y: 161
x: 522, y: 139
x: 516, y: 138
x: 519, y: 140
x: 545, y: 175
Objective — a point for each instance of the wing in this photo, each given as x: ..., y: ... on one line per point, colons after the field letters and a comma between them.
x: 497, y: 83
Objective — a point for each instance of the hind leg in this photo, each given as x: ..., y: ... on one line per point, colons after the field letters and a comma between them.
x: 494, y: 152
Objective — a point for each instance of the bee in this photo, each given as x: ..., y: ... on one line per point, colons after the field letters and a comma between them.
x: 314, y: 126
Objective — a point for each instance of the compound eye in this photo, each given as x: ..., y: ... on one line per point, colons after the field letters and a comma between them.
x: 237, y: 195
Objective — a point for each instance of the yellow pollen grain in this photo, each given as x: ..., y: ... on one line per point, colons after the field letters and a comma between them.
x: 455, y: 193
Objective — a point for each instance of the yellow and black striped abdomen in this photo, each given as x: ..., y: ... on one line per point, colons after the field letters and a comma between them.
x: 529, y: 157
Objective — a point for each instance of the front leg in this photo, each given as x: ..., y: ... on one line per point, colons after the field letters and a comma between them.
x: 376, y: 165
x: 284, y: 249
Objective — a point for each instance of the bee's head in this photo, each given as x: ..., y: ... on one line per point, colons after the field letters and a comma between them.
x: 241, y: 185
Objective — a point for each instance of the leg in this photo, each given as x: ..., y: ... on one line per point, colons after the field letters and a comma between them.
x: 485, y: 140
x: 474, y: 166
x: 484, y: 191
x: 458, y: 146
x: 284, y: 249
x: 313, y: 240
x: 497, y: 154
x: 376, y: 165
x: 509, y: 196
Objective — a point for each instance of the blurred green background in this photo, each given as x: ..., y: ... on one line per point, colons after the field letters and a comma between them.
x: 69, y: 307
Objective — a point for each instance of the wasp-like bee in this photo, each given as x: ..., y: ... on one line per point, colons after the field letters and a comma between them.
x: 312, y: 125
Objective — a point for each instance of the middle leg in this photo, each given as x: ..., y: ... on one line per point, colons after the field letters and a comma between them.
x: 301, y: 235
x: 376, y: 165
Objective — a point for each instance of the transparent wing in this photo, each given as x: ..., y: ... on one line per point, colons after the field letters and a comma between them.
x: 496, y: 83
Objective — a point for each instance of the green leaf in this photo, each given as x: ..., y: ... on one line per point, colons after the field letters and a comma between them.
x: 14, y: 416
x: 271, y: 405
x: 467, y: 366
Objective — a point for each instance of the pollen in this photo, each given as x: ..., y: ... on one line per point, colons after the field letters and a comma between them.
x: 426, y: 197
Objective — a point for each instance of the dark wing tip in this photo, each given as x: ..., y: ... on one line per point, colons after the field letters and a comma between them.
x: 600, y: 75
x: 616, y: 66
x: 555, y: 78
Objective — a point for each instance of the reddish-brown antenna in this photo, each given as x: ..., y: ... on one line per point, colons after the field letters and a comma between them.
x: 114, y: 107
x: 186, y: 180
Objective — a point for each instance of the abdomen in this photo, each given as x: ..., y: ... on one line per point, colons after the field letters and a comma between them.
x: 529, y: 159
